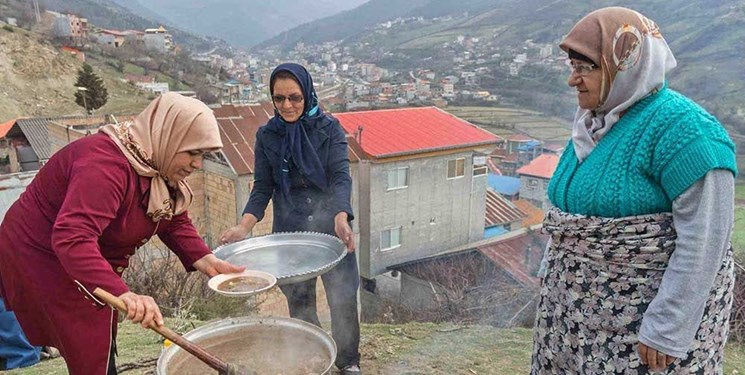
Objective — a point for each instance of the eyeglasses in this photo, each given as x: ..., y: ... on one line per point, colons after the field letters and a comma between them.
x: 582, y: 69
x: 294, y: 98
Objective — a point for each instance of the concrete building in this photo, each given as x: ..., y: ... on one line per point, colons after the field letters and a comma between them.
x: 534, y: 179
x: 70, y: 27
x: 134, y: 37
x: 158, y: 39
x: 157, y: 88
x: 111, y: 38
x: 417, y: 191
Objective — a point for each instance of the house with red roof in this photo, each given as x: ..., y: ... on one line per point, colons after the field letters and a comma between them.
x: 420, y: 189
x: 534, y: 179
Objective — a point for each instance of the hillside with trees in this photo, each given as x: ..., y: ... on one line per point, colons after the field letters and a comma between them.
x: 702, y: 35
x: 38, y: 79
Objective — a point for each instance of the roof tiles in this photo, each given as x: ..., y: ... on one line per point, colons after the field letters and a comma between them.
x: 396, y: 132
x: 499, y: 211
x: 543, y: 166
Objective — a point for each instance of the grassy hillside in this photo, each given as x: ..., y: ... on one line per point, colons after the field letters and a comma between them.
x: 413, y: 348
x: 37, y: 79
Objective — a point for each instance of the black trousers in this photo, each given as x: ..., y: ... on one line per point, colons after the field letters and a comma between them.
x: 341, y: 284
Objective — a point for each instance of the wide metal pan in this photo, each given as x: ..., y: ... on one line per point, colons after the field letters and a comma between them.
x: 265, y: 345
x: 291, y: 257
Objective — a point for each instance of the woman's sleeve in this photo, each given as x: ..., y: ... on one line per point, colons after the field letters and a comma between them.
x: 703, y: 216
x: 94, y: 195
x: 263, y: 181
x: 340, y: 179
x: 182, y: 238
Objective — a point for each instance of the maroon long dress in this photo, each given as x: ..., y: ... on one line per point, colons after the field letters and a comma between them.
x: 72, y: 230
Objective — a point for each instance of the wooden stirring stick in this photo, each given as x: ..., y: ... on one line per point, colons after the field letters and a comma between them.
x: 222, y: 367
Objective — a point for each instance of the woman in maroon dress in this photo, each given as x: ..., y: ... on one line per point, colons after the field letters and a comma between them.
x: 86, y: 212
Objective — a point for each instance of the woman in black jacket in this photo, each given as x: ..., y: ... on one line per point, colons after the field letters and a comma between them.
x: 302, y: 165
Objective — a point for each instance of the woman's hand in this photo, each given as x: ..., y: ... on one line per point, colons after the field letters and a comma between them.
x: 142, y: 309
x: 655, y: 360
x: 344, y: 231
x: 233, y: 234
x: 240, y: 231
x: 210, y: 265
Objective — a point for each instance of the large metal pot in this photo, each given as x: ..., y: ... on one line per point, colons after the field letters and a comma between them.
x: 266, y: 345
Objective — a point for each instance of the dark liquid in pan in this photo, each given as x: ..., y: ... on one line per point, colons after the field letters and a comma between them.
x: 242, y: 284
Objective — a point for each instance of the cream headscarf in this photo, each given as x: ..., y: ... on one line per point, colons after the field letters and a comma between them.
x: 170, y: 124
x: 633, y: 57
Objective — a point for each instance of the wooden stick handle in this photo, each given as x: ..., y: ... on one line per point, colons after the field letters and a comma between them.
x: 197, y: 351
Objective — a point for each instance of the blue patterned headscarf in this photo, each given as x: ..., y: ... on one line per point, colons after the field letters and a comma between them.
x: 297, y: 151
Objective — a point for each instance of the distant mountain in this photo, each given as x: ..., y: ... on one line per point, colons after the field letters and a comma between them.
x: 346, y: 24
x: 551, y: 18
x: 243, y: 23
x: 111, y: 15
x: 135, y: 7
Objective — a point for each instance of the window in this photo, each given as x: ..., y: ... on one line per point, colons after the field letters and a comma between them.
x: 456, y: 168
x: 390, y: 239
x: 532, y: 184
x: 398, y: 178
x: 479, y: 171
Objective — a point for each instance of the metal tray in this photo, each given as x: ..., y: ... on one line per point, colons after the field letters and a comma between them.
x: 291, y: 257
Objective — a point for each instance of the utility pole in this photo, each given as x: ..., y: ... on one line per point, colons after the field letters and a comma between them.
x: 84, y: 93
x: 36, y: 10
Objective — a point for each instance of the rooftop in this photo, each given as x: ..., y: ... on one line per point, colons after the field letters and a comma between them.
x: 407, y: 131
x: 534, y: 215
x: 500, y: 211
x: 238, y: 126
x: 36, y: 129
x: 543, y: 166
x: 519, y: 255
x: 504, y: 185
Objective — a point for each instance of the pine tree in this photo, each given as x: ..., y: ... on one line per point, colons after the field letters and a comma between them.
x: 93, y: 95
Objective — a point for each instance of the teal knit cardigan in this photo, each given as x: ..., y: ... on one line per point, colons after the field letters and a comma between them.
x: 659, y: 148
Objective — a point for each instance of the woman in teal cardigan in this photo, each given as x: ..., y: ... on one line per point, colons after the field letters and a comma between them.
x: 639, y: 269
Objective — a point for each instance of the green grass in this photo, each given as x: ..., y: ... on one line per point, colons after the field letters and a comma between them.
x: 413, y: 348
x: 507, y: 121
x: 738, y: 233
x: 740, y: 191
